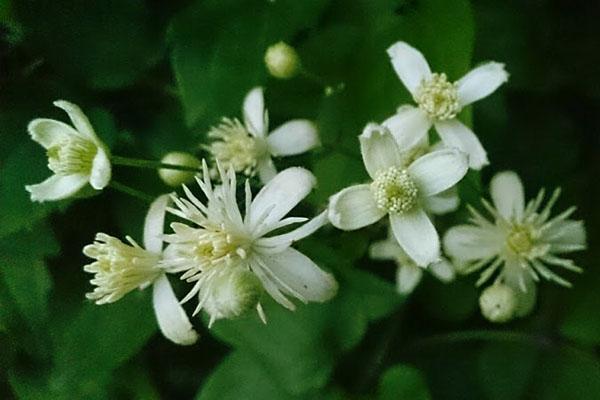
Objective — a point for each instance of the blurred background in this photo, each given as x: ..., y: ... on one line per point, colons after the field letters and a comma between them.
x: 153, y: 76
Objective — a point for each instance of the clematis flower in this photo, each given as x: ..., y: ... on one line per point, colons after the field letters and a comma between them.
x: 408, y: 273
x: 399, y: 191
x: 231, y: 258
x: 120, y: 268
x: 75, y: 155
x: 520, y: 242
x: 249, y: 147
x: 439, y: 100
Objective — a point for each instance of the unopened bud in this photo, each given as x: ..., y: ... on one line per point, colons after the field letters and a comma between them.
x: 175, y: 177
x: 498, y: 303
x: 282, y: 61
x: 233, y: 294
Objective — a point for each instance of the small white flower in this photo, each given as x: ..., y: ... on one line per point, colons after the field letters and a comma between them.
x: 439, y: 101
x: 398, y: 190
x: 223, y: 243
x: 75, y: 155
x: 519, y: 243
x: 248, y: 147
x: 120, y: 268
x: 408, y: 273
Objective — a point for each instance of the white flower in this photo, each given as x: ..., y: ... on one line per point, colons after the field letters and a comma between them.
x: 408, y: 273
x: 248, y: 147
x: 439, y: 101
x: 398, y: 190
x: 519, y: 243
x: 222, y: 243
x: 120, y: 268
x: 75, y: 155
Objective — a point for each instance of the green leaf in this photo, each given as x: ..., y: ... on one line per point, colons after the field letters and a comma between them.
x: 105, y: 44
x: 219, y: 48
x: 403, y: 382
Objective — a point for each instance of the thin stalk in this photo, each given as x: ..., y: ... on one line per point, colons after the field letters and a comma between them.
x: 128, y: 190
x: 151, y: 164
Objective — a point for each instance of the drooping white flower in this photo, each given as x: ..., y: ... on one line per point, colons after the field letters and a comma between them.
x: 439, y: 100
x: 120, y: 268
x: 520, y: 242
x: 249, y: 147
x: 219, y: 246
x: 399, y: 191
x: 408, y: 273
x: 75, y: 155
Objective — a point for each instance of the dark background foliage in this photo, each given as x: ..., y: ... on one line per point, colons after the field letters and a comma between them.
x: 153, y: 76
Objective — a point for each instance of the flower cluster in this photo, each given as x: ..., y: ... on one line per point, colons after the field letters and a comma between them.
x: 234, y: 247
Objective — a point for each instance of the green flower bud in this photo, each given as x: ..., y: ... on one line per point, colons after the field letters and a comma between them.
x: 282, y: 61
x: 233, y: 293
x: 498, y: 303
x: 174, y: 177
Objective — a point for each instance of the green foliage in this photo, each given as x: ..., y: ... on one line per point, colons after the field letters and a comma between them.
x: 403, y: 382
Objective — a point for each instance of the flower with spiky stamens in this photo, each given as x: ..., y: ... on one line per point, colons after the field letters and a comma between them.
x: 120, y: 268
x: 519, y: 243
x: 408, y: 273
x: 75, y: 155
x: 249, y: 147
x: 226, y: 254
x: 439, y: 100
x: 399, y: 191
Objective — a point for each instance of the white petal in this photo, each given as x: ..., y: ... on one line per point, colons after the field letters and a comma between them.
x: 101, y: 170
x: 280, y: 195
x: 172, y: 319
x: 481, y: 82
x: 409, y: 64
x: 379, y: 149
x: 299, y: 273
x: 417, y: 236
x: 409, y: 126
x: 79, y: 119
x: 299, y: 233
x: 254, y: 112
x: 407, y: 278
x: 437, y: 171
x: 507, y: 194
x: 565, y: 236
x: 455, y: 134
x: 517, y: 278
x: 385, y: 250
x: 49, y: 132
x: 443, y: 270
x: 443, y: 202
x: 354, y: 208
x: 57, y: 187
x: 154, y: 224
x: 266, y: 170
x: 469, y: 243
x: 293, y: 137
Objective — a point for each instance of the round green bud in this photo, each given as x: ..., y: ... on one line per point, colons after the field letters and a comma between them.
x: 175, y: 177
x: 234, y: 293
x: 282, y: 61
x: 498, y: 303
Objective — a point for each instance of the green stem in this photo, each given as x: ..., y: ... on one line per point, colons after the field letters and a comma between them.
x: 151, y: 164
x: 120, y: 187
x: 328, y: 89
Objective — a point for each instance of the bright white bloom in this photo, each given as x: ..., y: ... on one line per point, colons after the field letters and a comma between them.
x: 219, y: 245
x: 408, y: 274
x: 120, y: 268
x: 398, y: 190
x: 439, y: 100
x: 248, y: 147
x: 75, y: 155
x: 519, y: 243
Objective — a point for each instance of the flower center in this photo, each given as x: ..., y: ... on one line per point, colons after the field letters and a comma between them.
x: 521, y: 240
x: 71, y: 156
x: 438, y: 97
x: 394, y: 190
x: 217, y: 246
x: 119, y: 268
x: 235, y: 147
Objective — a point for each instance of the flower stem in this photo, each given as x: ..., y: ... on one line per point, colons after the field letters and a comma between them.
x: 328, y: 89
x: 120, y: 187
x: 151, y: 164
